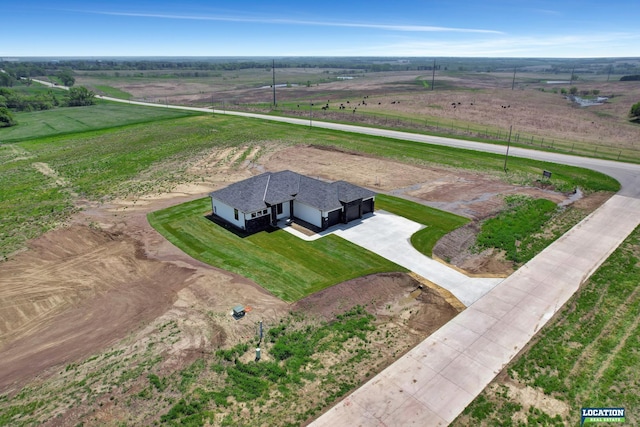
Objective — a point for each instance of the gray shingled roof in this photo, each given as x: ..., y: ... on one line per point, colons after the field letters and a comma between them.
x: 253, y: 194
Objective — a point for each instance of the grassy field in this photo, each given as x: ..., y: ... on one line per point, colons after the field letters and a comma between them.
x: 65, y: 121
x: 541, y: 117
x: 285, y: 265
x: 438, y: 222
x: 587, y: 356
x: 514, y: 230
x: 112, y: 92
x: 98, y: 162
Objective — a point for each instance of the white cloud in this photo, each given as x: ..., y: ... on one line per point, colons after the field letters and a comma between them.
x: 591, y: 45
x: 386, y: 27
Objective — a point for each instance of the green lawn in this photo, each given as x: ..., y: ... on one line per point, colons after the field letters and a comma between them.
x: 438, y: 222
x: 69, y: 120
x: 285, y: 265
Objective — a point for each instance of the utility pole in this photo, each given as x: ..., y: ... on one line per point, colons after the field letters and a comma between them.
x: 433, y: 76
x: 273, y: 69
x: 571, y: 79
x: 310, y: 105
x: 507, y: 154
x: 513, y: 83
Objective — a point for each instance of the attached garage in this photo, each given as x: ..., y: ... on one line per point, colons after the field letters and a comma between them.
x: 334, y: 217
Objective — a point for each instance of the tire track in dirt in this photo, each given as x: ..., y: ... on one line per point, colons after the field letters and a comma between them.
x: 58, y: 180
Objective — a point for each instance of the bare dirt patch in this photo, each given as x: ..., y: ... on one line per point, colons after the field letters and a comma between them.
x: 396, y: 297
x: 84, y: 287
x: 456, y: 248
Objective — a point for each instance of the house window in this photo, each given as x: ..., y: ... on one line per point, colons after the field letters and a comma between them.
x: 253, y: 215
x: 235, y: 214
x: 264, y: 212
x: 279, y: 208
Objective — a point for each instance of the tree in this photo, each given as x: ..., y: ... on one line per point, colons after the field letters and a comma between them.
x: 80, y: 97
x: 66, y: 77
x: 6, y: 118
x: 573, y: 90
x: 635, y: 112
x: 6, y: 79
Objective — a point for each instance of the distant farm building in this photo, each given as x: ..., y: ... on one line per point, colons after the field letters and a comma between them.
x: 261, y: 201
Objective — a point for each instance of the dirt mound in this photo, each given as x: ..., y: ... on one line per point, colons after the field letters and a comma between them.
x: 455, y: 248
x: 388, y: 296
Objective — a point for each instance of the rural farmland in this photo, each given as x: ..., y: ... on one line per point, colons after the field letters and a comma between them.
x: 117, y: 289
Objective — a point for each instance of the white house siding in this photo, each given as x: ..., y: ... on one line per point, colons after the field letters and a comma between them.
x: 285, y: 211
x: 307, y: 213
x: 225, y: 211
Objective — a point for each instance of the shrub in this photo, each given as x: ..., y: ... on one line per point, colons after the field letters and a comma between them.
x: 6, y: 118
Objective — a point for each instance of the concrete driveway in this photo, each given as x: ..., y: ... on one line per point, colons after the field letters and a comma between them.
x: 389, y: 236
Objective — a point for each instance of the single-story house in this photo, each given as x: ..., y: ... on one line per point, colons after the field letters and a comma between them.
x: 260, y: 201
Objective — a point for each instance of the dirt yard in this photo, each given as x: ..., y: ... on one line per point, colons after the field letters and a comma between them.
x: 108, y: 275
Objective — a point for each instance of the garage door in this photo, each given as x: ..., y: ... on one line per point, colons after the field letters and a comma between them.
x: 334, y: 217
x: 353, y: 212
x: 367, y: 206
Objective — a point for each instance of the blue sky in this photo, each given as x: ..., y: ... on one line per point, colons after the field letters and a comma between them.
x: 487, y: 28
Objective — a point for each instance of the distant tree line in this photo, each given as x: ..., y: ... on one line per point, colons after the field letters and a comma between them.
x: 630, y: 78
x: 17, y: 71
x: 14, y: 101
x: 41, y: 67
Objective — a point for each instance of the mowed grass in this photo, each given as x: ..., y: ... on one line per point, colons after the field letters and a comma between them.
x: 69, y: 120
x: 285, y: 265
x: 438, y: 222
x: 111, y: 91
